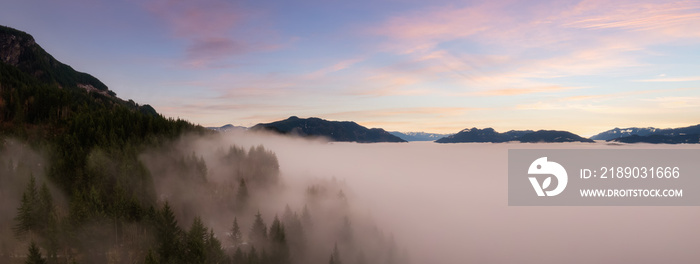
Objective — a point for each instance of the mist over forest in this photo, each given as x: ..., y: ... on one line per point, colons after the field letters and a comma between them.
x: 312, y: 201
x: 195, y: 199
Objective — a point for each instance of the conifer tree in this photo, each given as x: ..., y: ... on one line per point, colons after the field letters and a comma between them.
x: 242, y: 196
x: 169, y: 235
x: 258, y: 234
x: 27, y: 214
x: 335, y: 256
x: 195, y: 245
x: 253, y: 256
x: 306, y: 217
x: 280, y: 249
x: 238, y: 256
x: 34, y: 255
x: 214, y: 253
x: 236, y: 237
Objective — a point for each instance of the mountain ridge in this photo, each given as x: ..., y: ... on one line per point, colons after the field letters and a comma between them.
x: 418, y: 136
x: 489, y: 135
x: 344, y: 131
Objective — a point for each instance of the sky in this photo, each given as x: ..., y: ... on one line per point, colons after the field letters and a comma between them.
x: 402, y: 65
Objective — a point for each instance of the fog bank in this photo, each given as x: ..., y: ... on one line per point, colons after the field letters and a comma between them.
x: 447, y: 203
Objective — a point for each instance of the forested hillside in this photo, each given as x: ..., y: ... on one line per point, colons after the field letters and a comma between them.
x: 86, y: 177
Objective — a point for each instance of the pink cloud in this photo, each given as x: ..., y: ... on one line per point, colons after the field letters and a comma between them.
x: 211, y: 29
x: 594, y: 37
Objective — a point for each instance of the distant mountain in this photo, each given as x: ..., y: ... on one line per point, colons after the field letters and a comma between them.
x: 418, y: 136
x: 483, y: 135
x: 490, y: 135
x: 334, y: 130
x: 624, y: 132
x: 227, y: 127
x: 661, y: 139
x: 690, y: 134
x: 552, y: 136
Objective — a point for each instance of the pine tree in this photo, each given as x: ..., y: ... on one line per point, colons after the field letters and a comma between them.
x: 236, y: 236
x: 150, y: 258
x: 34, y: 255
x: 258, y: 234
x: 169, y: 235
x: 27, y: 214
x: 280, y: 249
x: 335, y: 256
x: 242, y: 196
x: 306, y: 217
x: 253, y: 256
x: 238, y: 257
x: 195, y: 247
x: 214, y: 252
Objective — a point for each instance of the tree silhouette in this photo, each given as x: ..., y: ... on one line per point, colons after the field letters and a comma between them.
x: 258, y: 234
x: 278, y: 240
x: 236, y: 237
x: 27, y: 218
x: 168, y: 235
x: 34, y: 255
x: 195, y: 243
x: 242, y: 196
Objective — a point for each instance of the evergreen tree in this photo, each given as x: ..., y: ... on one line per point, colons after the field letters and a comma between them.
x: 335, y: 256
x: 265, y: 258
x: 253, y: 257
x: 150, y: 258
x: 168, y: 235
x: 239, y: 257
x: 278, y: 240
x: 306, y: 217
x: 28, y: 212
x: 294, y: 234
x: 242, y: 196
x: 214, y: 252
x: 236, y: 237
x: 258, y: 234
x: 195, y: 244
x: 34, y: 255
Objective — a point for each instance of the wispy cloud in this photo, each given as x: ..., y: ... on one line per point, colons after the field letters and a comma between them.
x: 338, y: 66
x: 210, y: 29
x: 517, y: 91
x: 536, y: 43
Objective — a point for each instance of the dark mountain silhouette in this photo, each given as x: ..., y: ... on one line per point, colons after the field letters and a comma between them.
x: 418, y: 136
x: 490, y: 135
x: 551, y: 136
x: 624, y: 132
x: 334, y: 130
x: 483, y: 135
x: 18, y: 49
x: 227, y: 127
x: 690, y: 134
x: 660, y: 139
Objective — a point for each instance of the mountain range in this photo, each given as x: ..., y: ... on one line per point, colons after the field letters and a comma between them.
x: 473, y: 135
x: 690, y: 134
x: 227, y: 127
x: 334, y: 130
x: 418, y: 136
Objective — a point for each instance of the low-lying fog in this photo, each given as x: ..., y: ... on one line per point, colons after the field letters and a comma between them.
x: 447, y: 203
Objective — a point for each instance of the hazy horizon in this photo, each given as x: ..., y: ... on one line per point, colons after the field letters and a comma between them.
x: 438, y: 66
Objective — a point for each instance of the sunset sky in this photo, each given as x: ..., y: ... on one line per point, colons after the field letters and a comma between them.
x: 433, y: 66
